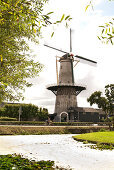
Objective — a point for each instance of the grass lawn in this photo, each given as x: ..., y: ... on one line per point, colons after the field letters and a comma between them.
x: 97, y: 137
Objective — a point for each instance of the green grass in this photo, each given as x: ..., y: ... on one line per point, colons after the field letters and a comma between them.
x: 97, y: 137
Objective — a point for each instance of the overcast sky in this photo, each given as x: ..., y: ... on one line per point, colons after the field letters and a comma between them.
x: 85, y: 29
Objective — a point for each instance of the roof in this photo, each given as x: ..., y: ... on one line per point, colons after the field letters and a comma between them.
x: 88, y: 109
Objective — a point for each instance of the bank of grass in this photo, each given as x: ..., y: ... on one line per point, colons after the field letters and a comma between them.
x: 42, y: 130
x: 102, y: 139
x: 32, y: 130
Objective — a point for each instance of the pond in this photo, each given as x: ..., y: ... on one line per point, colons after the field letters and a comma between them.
x: 62, y: 149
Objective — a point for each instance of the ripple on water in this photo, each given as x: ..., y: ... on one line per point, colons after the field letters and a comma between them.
x: 63, y: 149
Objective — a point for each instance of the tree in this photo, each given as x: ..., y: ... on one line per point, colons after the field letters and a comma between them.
x: 106, y: 103
x: 20, y: 21
x: 42, y: 114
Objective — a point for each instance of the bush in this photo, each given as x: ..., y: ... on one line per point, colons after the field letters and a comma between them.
x: 42, y: 114
x: 102, y: 130
x: 29, y: 112
x: 22, y: 123
x: 7, y: 119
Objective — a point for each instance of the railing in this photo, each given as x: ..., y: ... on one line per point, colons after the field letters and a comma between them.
x: 72, y: 84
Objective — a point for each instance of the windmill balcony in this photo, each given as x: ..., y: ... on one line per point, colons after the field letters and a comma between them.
x: 54, y: 87
x: 68, y: 85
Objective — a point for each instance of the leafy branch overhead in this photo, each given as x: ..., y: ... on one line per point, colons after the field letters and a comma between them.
x: 20, y: 21
x: 107, y: 33
x: 107, y: 30
x: 63, y: 18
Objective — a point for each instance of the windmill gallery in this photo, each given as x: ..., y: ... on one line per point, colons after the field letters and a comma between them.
x: 66, y: 91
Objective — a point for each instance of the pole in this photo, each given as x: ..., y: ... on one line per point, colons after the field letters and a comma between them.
x: 20, y: 112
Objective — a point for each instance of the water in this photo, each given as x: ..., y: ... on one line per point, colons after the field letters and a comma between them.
x: 62, y: 149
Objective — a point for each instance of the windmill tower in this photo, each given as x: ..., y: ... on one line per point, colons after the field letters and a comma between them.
x: 66, y: 90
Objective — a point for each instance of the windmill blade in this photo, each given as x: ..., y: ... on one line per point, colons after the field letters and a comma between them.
x: 70, y: 40
x: 55, y: 48
x: 86, y: 59
x: 57, y: 71
x: 72, y: 72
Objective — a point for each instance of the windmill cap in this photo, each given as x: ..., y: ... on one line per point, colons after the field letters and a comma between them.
x: 67, y: 55
x: 71, y: 54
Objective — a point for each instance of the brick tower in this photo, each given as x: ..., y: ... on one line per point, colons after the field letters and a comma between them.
x: 66, y: 90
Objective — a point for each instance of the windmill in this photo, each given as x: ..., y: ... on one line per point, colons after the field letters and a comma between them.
x: 66, y: 90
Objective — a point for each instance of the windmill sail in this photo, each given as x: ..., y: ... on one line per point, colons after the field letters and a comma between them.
x: 86, y: 59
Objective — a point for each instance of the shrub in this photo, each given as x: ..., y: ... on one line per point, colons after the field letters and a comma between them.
x: 42, y: 114
x: 102, y: 130
x: 29, y: 112
x: 7, y: 119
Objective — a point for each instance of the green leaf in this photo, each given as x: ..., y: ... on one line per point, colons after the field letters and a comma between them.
x: 102, y: 31
x: 62, y: 17
x: 109, y: 29
x: 99, y: 38
x: 58, y: 21
x: 50, y: 13
x: 17, y: 3
x: 102, y: 26
x: 87, y: 7
x: 1, y: 59
x: 106, y: 31
x: 52, y: 34
x: 67, y: 17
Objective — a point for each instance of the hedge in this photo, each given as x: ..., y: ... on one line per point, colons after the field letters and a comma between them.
x: 34, y: 123
x: 29, y: 112
x: 43, y: 123
x: 7, y: 119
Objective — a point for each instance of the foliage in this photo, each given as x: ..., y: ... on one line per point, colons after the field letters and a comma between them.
x: 19, y: 163
x: 102, y: 130
x: 105, y: 103
x: 107, y: 32
x: 17, y: 22
x: 20, y: 21
x: 109, y: 93
x: 7, y: 119
x: 89, y: 5
x: 102, y: 146
x: 29, y: 112
x: 42, y: 114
